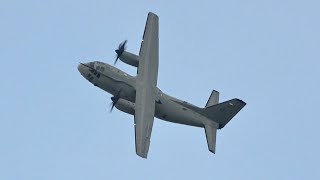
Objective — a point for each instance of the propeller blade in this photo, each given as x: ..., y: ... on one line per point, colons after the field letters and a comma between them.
x: 114, y: 100
x: 111, y: 106
x: 120, y: 50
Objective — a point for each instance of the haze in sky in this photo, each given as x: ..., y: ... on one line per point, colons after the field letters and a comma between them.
x: 56, y: 125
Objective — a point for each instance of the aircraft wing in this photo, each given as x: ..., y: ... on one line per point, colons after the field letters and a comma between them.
x: 149, y: 51
x: 146, y: 85
x: 143, y: 119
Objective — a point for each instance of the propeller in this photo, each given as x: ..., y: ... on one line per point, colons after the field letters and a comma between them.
x: 120, y: 50
x: 114, y: 100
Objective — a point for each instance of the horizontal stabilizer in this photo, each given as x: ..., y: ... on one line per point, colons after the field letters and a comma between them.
x: 211, y: 134
x: 213, y: 99
x: 222, y: 113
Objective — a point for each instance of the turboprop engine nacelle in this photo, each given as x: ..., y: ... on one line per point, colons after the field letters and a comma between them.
x: 125, y: 106
x: 130, y: 58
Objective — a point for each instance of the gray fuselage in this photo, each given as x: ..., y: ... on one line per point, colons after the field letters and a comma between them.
x: 113, y: 80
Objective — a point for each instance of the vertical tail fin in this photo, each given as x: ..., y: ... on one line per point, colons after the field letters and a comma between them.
x: 219, y: 115
x: 222, y: 113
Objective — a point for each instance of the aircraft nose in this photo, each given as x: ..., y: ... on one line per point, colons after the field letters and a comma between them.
x: 80, y: 68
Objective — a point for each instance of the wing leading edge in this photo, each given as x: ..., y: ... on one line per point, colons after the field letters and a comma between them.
x: 146, y: 85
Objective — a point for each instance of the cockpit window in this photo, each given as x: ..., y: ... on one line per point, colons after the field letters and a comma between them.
x: 100, y: 62
x: 91, y: 64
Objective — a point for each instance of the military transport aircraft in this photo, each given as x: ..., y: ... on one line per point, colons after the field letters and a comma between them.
x: 139, y: 96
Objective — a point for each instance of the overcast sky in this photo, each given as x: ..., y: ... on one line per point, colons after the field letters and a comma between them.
x: 56, y: 125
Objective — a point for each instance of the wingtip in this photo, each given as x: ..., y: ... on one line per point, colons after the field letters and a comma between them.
x: 152, y: 14
x: 142, y: 156
x: 213, y: 151
x: 215, y: 91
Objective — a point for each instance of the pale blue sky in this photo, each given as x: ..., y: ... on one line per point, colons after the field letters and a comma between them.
x: 56, y: 125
